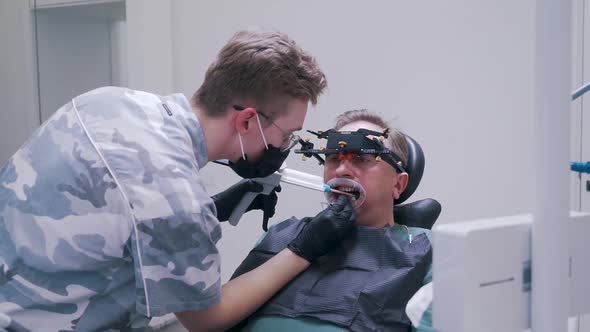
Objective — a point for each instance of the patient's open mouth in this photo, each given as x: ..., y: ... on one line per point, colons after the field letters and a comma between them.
x: 347, y: 190
x: 348, y: 186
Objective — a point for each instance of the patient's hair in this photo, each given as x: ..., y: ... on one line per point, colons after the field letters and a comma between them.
x: 396, y: 141
x: 259, y: 66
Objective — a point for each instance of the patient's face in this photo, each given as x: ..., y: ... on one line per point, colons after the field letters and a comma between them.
x: 379, y: 180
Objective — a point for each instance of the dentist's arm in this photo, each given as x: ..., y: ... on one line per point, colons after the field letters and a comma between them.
x: 241, y: 296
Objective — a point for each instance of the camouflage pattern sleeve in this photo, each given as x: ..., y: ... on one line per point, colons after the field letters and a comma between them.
x: 173, y: 273
x: 104, y: 220
x: 177, y: 265
x: 63, y: 261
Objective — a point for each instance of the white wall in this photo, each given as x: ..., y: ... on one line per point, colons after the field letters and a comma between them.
x: 74, y: 51
x: 18, y: 96
x: 457, y: 75
x: 74, y: 55
x: 584, y: 154
x: 149, y: 45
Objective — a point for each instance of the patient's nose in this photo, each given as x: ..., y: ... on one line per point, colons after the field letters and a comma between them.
x: 345, y: 169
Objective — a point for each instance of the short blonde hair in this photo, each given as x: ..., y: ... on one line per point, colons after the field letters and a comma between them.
x: 259, y: 66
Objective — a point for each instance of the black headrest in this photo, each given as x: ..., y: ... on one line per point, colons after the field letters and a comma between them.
x: 414, y: 168
x: 422, y: 213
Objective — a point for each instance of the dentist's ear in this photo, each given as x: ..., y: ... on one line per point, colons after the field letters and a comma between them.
x: 242, y: 119
x: 400, y: 184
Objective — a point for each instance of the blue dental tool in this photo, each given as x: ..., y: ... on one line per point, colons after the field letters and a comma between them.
x: 580, y: 167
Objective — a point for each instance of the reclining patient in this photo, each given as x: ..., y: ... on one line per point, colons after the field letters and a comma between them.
x: 365, y: 284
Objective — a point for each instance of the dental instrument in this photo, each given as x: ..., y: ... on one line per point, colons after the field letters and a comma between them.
x: 308, y: 181
x: 285, y: 175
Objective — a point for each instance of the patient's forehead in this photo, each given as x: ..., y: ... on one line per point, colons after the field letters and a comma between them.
x: 353, y: 126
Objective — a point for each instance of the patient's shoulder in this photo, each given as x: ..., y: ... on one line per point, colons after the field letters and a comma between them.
x: 418, y: 230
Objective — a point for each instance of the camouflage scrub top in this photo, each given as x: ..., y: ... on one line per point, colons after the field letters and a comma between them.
x: 104, y: 220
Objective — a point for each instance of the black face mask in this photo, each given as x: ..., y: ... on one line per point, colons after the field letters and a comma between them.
x: 271, y: 161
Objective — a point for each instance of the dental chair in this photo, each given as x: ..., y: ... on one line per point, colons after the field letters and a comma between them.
x: 422, y: 213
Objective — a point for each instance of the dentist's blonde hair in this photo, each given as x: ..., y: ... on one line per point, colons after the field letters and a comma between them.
x: 259, y: 66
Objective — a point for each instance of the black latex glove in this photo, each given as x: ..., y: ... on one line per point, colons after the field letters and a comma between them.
x: 325, y: 231
x: 267, y: 204
x: 227, y: 200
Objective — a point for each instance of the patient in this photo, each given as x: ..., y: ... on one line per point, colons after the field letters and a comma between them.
x: 365, y: 284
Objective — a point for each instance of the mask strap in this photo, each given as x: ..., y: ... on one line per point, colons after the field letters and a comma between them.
x: 261, y: 133
x: 242, y: 147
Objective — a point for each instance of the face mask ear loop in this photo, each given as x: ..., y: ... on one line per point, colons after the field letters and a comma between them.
x: 261, y: 133
x: 241, y: 146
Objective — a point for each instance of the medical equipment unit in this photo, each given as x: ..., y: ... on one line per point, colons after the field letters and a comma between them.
x: 526, y: 271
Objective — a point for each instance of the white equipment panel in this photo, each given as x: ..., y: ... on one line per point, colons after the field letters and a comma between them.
x: 482, y: 273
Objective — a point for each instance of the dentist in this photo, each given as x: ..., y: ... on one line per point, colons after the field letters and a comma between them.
x: 105, y: 221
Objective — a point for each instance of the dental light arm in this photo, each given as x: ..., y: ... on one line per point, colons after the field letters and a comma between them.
x: 580, y: 91
x: 580, y: 167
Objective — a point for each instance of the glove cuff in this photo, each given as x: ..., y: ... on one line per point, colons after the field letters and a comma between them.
x: 297, y: 251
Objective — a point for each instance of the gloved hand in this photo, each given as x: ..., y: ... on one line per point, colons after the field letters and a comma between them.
x: 267, y: 204
x: 325, y: 231
x: 227, y: 200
